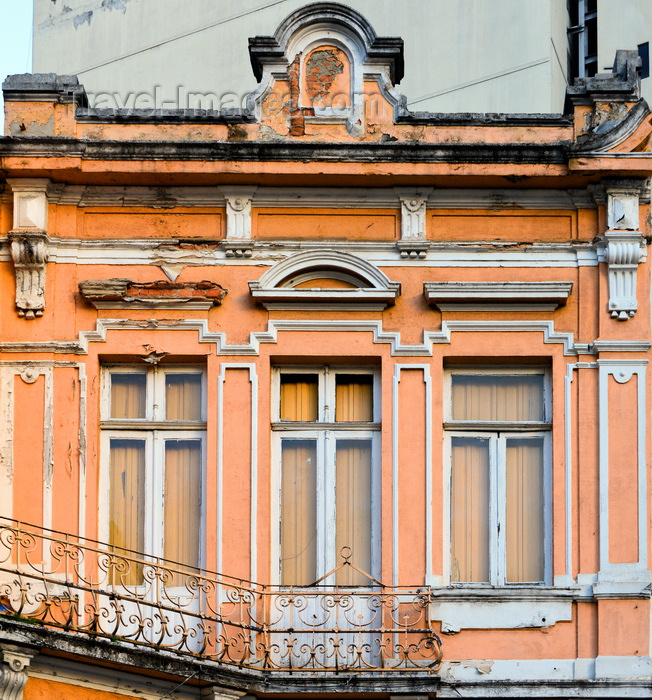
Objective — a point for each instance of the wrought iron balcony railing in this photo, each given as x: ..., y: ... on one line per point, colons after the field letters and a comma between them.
x: 83, y: 586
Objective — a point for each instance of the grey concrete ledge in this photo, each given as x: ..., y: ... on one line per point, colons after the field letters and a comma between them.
x: 275, y: 151
x: 167, y: 664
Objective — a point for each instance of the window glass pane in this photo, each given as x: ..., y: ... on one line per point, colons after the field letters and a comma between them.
x: 470, y: 510
x: 353, y: 509
x: 182, y: 503
x: 498, y: 397
x: 183, y: 396
x: 524, y: 515
x: 298, y: 512
x: 128, y: 393
x: 353, y: 397
x: 299, y: 397
x: 127, y: 507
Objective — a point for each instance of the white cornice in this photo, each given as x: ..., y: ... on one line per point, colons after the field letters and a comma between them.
x: 316, y: 197
x: 486, y: 294
x: 499, y: 199
x: 132, y: 196
x: 142, y: 251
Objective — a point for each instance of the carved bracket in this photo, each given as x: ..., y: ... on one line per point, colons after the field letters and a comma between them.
x: 625, y: 246
x: 13, y: 673
x: 29, y: 251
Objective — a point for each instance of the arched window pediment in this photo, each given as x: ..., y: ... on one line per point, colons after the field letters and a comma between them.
x: 319, y: 278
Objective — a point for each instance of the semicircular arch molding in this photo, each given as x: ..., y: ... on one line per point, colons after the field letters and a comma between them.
x: 366, y: 284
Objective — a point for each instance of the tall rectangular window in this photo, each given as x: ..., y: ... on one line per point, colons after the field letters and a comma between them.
x: 153, y: 428
x: 326, y: 428
x: 497, y: 439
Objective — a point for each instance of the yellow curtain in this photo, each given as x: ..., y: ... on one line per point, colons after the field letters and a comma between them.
x: 353, y: 509
x: 299, y: 399
x: 127, y: 504
x: 498, y: 397
x: 298, y: 512
x: 128, y: 395
x: 524, y: 516
x: 182, y: 505
x: 183, y: 396
x: 353, y: 398
x: 470, y: 510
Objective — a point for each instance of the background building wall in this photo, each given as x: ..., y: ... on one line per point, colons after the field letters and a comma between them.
x: 460, y: 55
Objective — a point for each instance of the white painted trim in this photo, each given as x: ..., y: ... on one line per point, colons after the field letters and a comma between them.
x: 48, y: 447
x: 502, y: 199
x: 7, y: 374
x: 253, y: 531
x: 252, y: 348
x: 480, y: 307
x: 307, y: 197
x: 395, y: 532
x: 622, y: 371
x: 396, y: 380
x: 325, y: 259
x: 567, y: 578
x: 166, y: 253
x: 482, y: 671
x: 599, y: 346
x: 568, y: 470
x: 467, y: 612
x: 510, y: 292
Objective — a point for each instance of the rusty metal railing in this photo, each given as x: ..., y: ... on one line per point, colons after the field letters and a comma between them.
x: 84, y: 586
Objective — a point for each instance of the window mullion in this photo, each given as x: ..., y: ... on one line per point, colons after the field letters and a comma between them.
x: 153, y: 490
x: 326, y: 497
x: 327, y: 396
x: 498, y: 509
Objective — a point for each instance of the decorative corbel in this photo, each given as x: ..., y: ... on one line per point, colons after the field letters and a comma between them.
x: 413, y: 243
x: 238, y: 241
x: 13, y: 673
x: 29, y: 251
x: 625, y: 246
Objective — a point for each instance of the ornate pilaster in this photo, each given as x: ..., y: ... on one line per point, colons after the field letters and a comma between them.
x: 625, y: 246
x: 413, y: 243
x: 13, y: 673
x: 238, y: 220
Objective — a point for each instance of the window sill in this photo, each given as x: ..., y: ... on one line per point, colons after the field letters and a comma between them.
x: 516, y: 607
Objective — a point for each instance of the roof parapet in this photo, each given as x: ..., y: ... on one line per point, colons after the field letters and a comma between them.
x: 44, y: 87
x: 623, y: 84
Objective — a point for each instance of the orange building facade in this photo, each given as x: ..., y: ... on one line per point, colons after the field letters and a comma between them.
x: 322, y: 396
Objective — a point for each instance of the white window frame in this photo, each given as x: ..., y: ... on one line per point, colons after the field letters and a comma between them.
x: 498, y: 433
x: 326, y: 431
x: 155, y: 430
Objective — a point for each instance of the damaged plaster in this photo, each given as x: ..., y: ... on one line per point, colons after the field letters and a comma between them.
x: 83, y: 18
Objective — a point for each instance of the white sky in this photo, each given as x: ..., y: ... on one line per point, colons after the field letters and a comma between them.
x: 15, y: 41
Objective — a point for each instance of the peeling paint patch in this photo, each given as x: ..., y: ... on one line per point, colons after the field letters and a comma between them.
x: 81, y: 19
x: 33, y: 128
x: 236, y: 132
x: 115, y: 5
